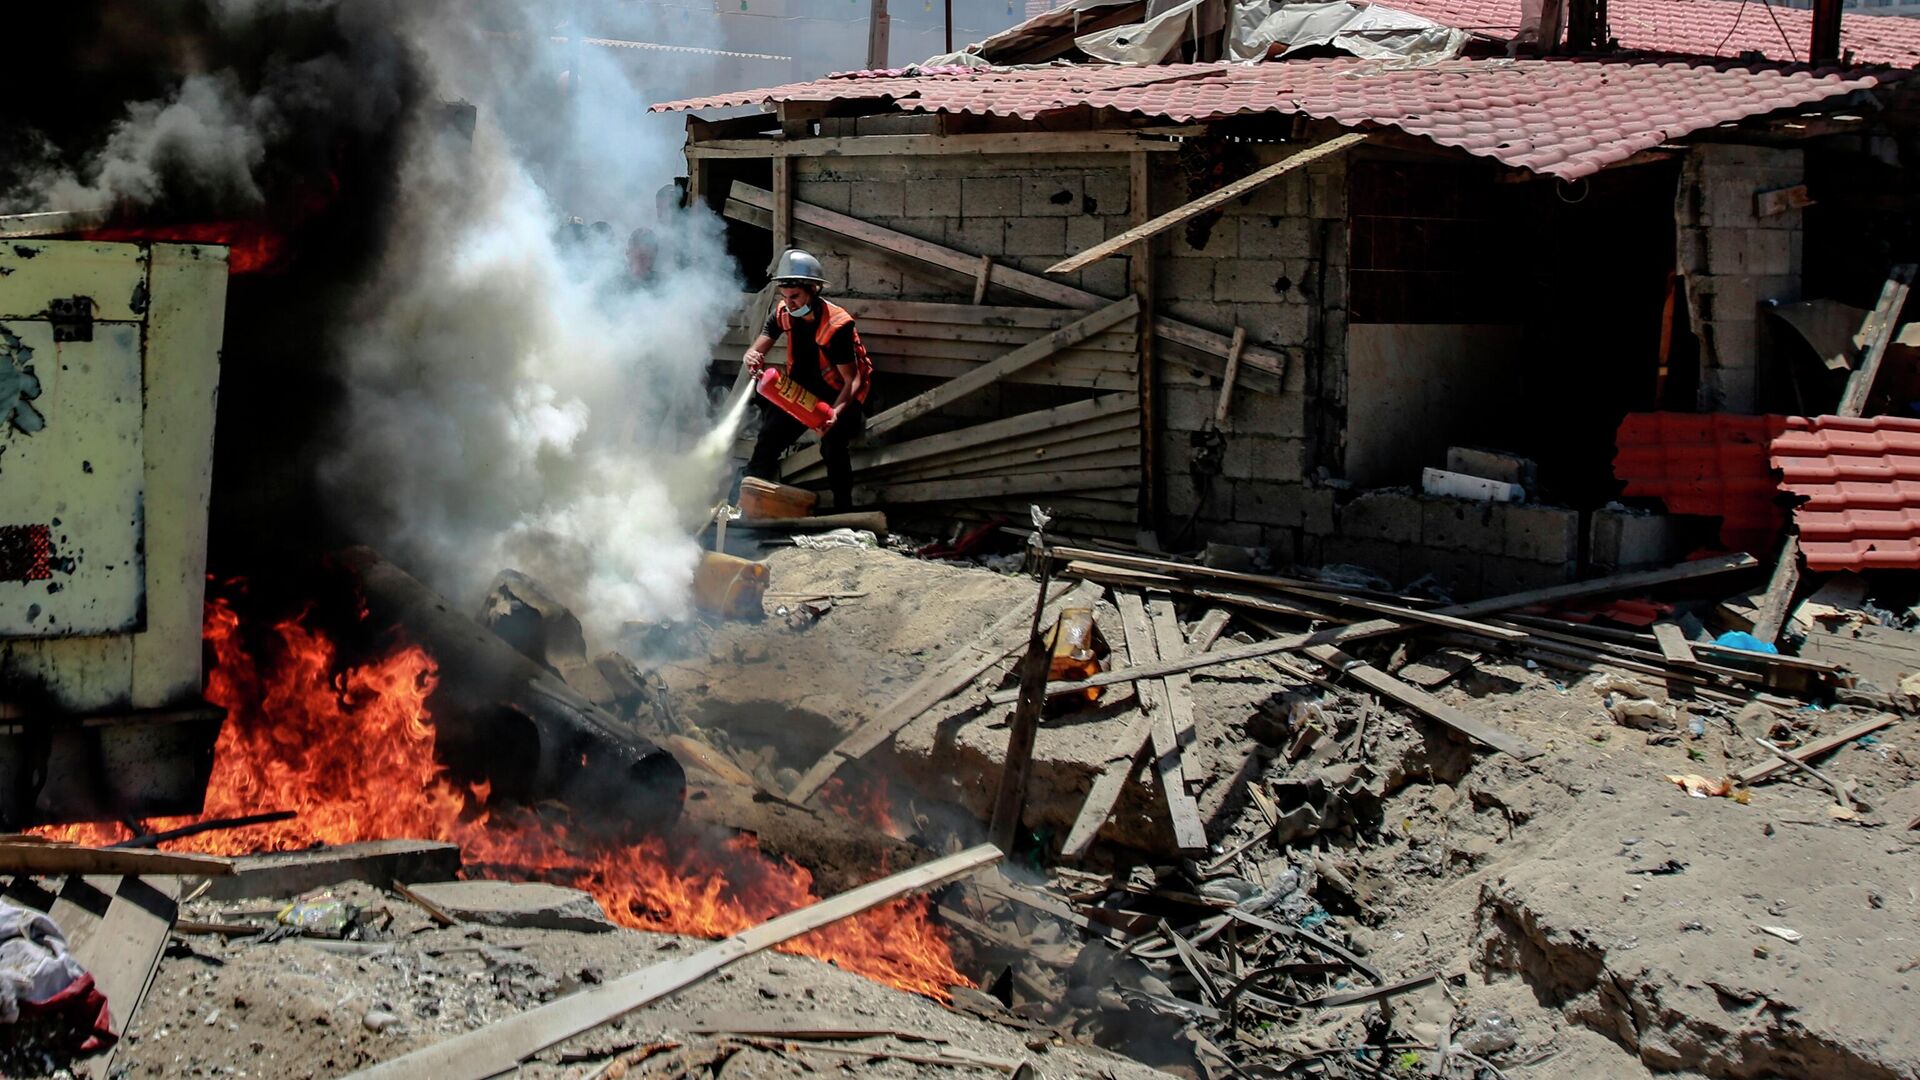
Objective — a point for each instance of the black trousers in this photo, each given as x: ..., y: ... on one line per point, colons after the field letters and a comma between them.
x: 778, y: 431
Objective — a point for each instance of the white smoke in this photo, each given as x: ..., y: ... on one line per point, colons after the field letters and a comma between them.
x: 515, y: 401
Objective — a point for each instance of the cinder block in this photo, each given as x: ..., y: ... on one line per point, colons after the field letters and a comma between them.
x: 1328, y: 195
x: 1260, y: 457
x: 1268, y: 414
x: 1233, y: 532
x: 836, y: 268
x: 930, y: 198
x: 1548, y: 534
x: 1501, y: 575
x: 1728, y: 389
x: 1733, y: 343
x: 834, y: 195
x: 1317, y: 517
x: 978, y: 235
x: 1283, y: 545
x: 1108, y: 277
x: 873, y: 278
x: 1037, y: 236
x: 1280, y: 324
x: 878, y: 199
x: 1267, y: 502
x: 1729, y: 201
x: 1051, y: 194
x: 1629, y: 540
x: 1770, y: 251
x: 1222, y: 241
x: 1383, y: 557
x: 1252, y: 280
x: 1492, y: 464
x: 1086, y: 230
x: 1458, y: 572
x: 1109, y: 189
x: 1382, y: 515
x: 1275, y: 236
x: 1459, y: 525
x: 1727, y: 250
x: 1187, y: 408
x: 995, y: 197
x: 1179, y: 280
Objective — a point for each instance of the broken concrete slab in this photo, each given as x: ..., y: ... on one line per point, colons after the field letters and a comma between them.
x: 531, y: 904
x: 377, y: 862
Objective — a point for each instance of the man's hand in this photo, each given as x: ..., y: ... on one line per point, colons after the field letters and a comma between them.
x: 832, y: 419
x: 754, y: 361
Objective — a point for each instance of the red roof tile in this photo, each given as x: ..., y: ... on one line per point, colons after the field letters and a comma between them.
x: 1566, y: 118
x: 1701, y: 27
x: 1713, y: 464
x: 1861, y: 480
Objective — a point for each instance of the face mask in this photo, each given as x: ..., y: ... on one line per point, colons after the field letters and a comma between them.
x: 801, y: 312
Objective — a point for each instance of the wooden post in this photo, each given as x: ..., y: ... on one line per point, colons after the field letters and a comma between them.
x: 982, y: 278
x: 878, y: 31
x: 782, y: 204
x: 1140, y: 279
x: 1233, y: 369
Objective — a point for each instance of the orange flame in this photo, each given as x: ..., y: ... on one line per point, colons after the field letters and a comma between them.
x: 252, y: 246
x: 350, y: 747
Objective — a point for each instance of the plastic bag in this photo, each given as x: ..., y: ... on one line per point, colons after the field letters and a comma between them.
x: 322, y: 913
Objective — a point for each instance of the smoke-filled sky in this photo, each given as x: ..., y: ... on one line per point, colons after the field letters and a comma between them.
x: 510, y: 399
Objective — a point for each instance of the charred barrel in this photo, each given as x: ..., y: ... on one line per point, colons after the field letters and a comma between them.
x: 502, y: 718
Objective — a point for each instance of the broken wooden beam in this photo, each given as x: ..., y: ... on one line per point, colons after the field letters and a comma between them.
x: 1262, y: 369
x: 1424, y: 703
x: 943, y: 680
x: 1143, y: 648
x: 47, y: 858
x: 502, y: 1046
x: 1823, y: 745
x: 379, y: 863
x: 1206, y: 202
x: 981, y: 377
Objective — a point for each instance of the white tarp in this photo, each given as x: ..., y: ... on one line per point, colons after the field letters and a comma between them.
x: 1262, y: 28
x: 1150, y: 42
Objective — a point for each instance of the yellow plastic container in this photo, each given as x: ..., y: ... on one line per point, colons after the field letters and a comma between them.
x: 761, y: 500
x: 729, y: 586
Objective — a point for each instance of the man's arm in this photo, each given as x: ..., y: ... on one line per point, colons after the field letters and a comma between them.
x: 756, y: 355
x: 846, y: 364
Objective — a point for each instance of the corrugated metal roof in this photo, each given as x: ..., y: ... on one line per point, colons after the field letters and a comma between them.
x: 1712, y: 464
x: 1566, y: 118
x: 1702, y: 27
x: 1861, y: 480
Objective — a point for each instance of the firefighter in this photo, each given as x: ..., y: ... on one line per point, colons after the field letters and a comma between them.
x: 824, y: 355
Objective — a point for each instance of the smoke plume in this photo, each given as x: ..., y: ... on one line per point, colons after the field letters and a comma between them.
x: 509, y: 396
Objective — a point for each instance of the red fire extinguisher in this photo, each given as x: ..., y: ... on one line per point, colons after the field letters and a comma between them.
x: 793, y: 399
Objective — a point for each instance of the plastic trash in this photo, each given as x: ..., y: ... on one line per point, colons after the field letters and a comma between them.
x: 1621, y: 685
x: 1696, y: 726
x: 1642, y: 715
x: 1740, y: 639
x: 322, y: 913
x: 1493, y: 1033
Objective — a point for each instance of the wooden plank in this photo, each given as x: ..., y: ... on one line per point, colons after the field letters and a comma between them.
x: 1781, y: 200
x: 1119, y: 450
x: 1010, y: 142
x: 754, y: 205
x: 1673, y: 643
x: 982, y: 279
x: 502, y: 1046
x: 1233, y: 370
x: 879, y: 335
x: 1823, y: 745
x: 782, y: 205
x: 1188, y: 832
x: 947, y: 678
x: 1024, y: 484
x: 1771, y: 612
x: 1140, y: 278
x: 1875, y: 334
x: 1048, y: 420
x: 1170, y: 642
x: 1208, y: 201
x: 123, y: 951
x: 39, y: 857
x: 1010, y: 801
x: 1424, y: 703
x: 1024, y: 356
x: 1616, y: 583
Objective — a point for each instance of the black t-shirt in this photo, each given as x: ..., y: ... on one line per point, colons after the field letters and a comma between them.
x: 806, y: 354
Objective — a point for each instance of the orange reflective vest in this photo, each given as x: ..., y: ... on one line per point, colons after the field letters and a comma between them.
x: 832, y: 318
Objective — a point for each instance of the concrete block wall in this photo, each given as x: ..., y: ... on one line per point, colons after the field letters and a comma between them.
x: 1733, y: 260
x: 1025, y: 210
x: 1276, y: 264
x: 1471, y: 548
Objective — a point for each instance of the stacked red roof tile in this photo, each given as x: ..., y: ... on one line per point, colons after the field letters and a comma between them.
x: 1712, y: 464
x: 1861, y: 480
x: 1559, y: 117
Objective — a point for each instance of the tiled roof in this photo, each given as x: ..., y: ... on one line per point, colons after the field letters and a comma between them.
x: 1713, y: 464
x: 1702, y: 27
x: 1861, y: 480
x: 1567, y: 118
